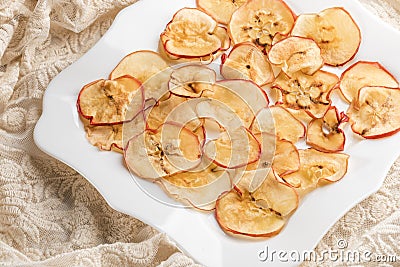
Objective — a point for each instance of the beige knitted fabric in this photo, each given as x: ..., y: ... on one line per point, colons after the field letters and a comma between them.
x: 49, y: 214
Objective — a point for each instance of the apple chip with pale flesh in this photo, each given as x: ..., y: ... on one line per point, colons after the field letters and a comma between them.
x: 105, y: 102
x: 220, y: 10
x: 295, y: 54
x: 278, y: 121
x: 308, y: 93
x: 192, y: 34
x: 258, y: 21
x: 167, y: 150
x: 363, y: 74
x: 325, y: 134
x: 335, y: 32
x: 262, y: 213
x: 376, y: 112
x: 190, y: 81
x: 315, y: 168
x: 247, y: 61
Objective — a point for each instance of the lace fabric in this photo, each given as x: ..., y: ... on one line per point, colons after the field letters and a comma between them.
x: 49, y: 214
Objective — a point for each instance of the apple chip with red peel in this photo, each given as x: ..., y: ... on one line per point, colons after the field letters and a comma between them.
x: 190, y: 81
x: 295, y: 54
x: 105, y: 137
x: 376, y: 112
x: 317, y: 167
x: 279, y: 121
x: 335, y: 32
x: 363, y: 74
x: 258, y: 21
x: 199, y: 187
x: 105, y: 102
x: 246, y: 61
x: 324, y: 134
x: 261, y: 213
x: 141, y: 64
x: 167, y: 150
x: 308, y: 93
x: 220, y: 10
x: 192, y: 34
x: 233, y: 149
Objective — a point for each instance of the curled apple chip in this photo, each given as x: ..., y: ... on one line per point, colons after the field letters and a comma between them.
x: 167, y: 150
x: 201, y: 186
x: 233, y: 148
x: 376, y: 112
x: 246, y: 61
x: 308, y: 93
x: 317, y: 167
x: 279, y: 121
x: 261, y: 213
x: 105, y: 102
x: 363, y: 74
x: 258, y: 21
x: 335, y: 32
x: 105, y: 137
x: 286, y: 158
x: 295, y: 54
x: 220, y: 10
x: 192, y: 34
x: 191, y: 80
x: 324, y: 134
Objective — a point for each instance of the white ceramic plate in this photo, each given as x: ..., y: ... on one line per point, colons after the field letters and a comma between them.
x: 60, y: 133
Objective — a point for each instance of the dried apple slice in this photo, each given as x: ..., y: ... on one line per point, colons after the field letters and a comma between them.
x: 363, y: 74
x: 308, y: 93
x: 246, y: 61
x: 220, y: 10
x: 258, y: 21
x: 191, y: 80
x: 191, y: 34
x: 278, y: 121
x: 200, y: 186
x: 324, y: 134
x: 261, y: 213
x: 105, y: 137
x: 105, y: 102
x: 167, y: 150
x: 335, y: 32
x: 286, y: 158
x: 295, y: 54
x: 376, y: 112
x: 317, y: 167
x: 141, y: 64
x: 233, y: 149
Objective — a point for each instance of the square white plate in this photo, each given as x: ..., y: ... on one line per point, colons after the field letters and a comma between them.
x: 60, y: 133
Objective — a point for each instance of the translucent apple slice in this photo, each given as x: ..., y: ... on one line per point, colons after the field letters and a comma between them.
x: 157, y: 153
x: 376, y: 112
x: 191, y: 80
x: 221, y: 10
x: 363, y: 74
x: 258, y: 21
x: 279, y: 121
x: 233, y: 149
x: 105, y: 102
x: 191, y: 34
x: 324, y: 134
x: 316, y: 168
x: 261, y: 213
x: 335, y: 32
x: 199, y: 187
x: 246, y: 61
x: 295, y: 54
x: 308, y: 93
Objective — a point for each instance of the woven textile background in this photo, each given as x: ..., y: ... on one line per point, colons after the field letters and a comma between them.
x: 49, y: 214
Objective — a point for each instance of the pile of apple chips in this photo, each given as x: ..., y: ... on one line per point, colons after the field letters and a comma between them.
x: 220, y: 144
